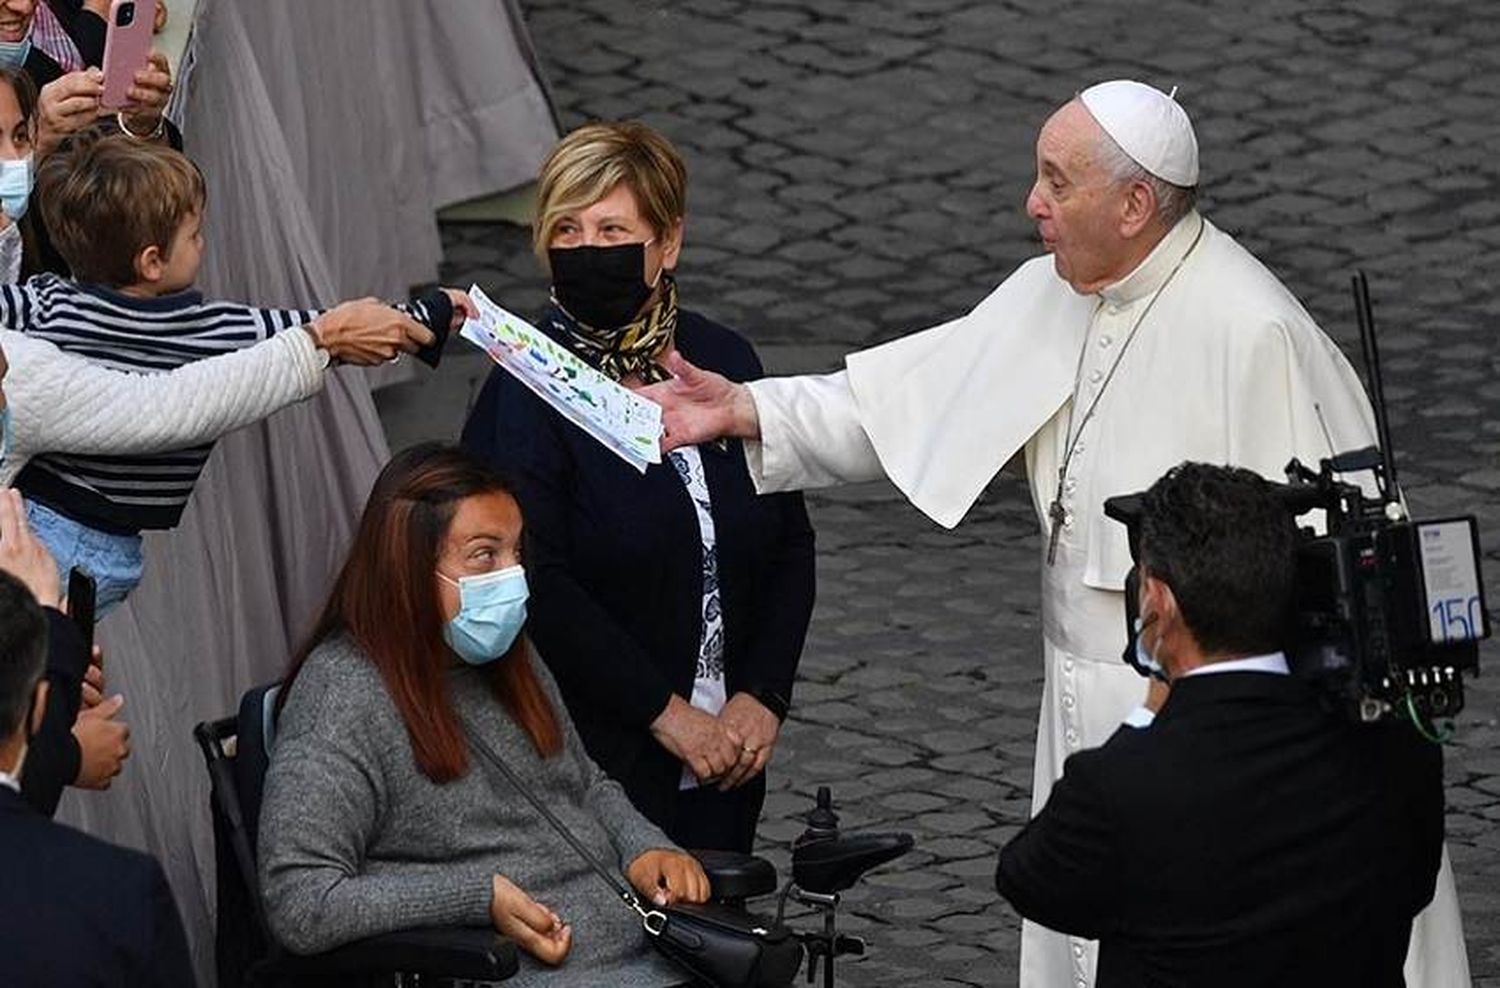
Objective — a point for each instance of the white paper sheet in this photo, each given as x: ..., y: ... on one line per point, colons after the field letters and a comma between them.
x: 622, y: 420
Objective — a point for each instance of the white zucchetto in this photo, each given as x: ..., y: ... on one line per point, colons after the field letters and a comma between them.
x: 1149, y: 125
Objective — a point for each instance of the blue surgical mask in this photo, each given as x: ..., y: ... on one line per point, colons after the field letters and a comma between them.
x: 13, y: 54
x: 491, y: 611
x: 16, y: 178
x: 1145, y: 659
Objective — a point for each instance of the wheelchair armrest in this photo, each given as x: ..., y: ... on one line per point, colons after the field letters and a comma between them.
x: 461, y: 952
x: 735, y: 876
x: 833, y: 864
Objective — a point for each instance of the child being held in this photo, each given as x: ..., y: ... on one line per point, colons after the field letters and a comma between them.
x: 127, y: 216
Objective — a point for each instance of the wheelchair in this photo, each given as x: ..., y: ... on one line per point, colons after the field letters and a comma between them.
x: 237, y: 752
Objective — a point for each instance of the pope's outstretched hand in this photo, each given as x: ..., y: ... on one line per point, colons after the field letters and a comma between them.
x: 699, y: 406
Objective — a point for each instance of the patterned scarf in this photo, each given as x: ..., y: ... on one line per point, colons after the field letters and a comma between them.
x: 632, y: 348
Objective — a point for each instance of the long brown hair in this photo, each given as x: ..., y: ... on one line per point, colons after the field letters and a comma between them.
x: 386, y: 600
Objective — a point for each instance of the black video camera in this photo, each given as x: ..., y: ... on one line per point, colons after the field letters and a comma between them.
x: 1389, y: 611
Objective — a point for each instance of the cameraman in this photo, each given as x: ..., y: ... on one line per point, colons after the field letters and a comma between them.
x: 1246, y: 835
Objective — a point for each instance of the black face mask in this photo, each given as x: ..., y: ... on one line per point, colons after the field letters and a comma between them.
x: 601, y: 287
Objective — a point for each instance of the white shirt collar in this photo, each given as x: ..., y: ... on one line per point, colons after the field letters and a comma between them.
x: 6, y: 779
x: 1274, y: 662
x: 1149, y: 275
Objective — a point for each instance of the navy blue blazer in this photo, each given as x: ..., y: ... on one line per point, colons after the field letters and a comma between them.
x: 1246, y: 838
x: 78, y: 911
x: 614, y: 561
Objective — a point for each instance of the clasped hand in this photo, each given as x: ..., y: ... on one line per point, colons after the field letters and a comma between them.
x: 729, y: 749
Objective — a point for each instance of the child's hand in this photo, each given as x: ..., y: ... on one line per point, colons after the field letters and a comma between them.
x: 463, y: 308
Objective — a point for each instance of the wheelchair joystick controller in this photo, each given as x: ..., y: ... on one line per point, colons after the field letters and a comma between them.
x: 825, y: 863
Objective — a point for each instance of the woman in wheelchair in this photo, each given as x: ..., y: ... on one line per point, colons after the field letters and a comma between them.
x: 378, y: 817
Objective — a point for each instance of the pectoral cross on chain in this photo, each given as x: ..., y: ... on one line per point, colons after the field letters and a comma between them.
x: 1059, y: 516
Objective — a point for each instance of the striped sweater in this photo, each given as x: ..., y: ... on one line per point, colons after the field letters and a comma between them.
x: 125, y: 494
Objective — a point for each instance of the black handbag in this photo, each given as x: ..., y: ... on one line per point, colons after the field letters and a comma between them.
x: 724, y: 947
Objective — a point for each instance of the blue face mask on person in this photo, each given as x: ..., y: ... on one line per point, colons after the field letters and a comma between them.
x: 1145, y: 659
x: 13, y: 54
x: 16, y: 178
x: 491, y: 611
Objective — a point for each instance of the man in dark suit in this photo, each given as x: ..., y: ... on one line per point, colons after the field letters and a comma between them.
x: 1245, y: 836
x: 77, y: 911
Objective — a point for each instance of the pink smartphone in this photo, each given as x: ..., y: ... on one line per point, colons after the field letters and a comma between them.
x: 126, y: 45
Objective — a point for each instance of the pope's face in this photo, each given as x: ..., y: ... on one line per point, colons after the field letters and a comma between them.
x: 1076, y: 202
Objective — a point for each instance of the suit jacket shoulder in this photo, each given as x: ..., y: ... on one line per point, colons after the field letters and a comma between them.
x: 64, y: 888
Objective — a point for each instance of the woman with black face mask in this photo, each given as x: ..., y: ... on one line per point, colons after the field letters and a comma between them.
x: 672, y: 605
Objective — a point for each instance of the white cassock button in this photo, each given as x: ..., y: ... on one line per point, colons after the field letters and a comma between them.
x: 1068, y: 701
x: 1072, y: 738
x: 1096, y: 376
x: 1105, y: 341
x: 1067, y: 665
x: 1078, y: 952
x: 1082, y: 983
x: 1072, y: 486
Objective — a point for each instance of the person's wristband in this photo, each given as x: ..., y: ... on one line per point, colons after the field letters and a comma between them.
x: 161, y: 127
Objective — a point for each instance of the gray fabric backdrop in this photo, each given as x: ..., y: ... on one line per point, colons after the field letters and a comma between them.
x: 329, y: 134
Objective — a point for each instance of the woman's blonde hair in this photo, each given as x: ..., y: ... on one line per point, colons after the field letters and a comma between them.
x: 587, y: 164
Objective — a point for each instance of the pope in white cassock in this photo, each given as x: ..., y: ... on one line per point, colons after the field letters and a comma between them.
x: 1148, y: 337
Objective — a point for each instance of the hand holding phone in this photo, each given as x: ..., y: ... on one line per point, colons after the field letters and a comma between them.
x: 127, y: 44
x: 81, y: 604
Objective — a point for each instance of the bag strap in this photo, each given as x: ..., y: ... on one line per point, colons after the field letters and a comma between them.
x: 653, y: 920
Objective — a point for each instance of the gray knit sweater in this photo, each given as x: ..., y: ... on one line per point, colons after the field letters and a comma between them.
x: 355, y: 840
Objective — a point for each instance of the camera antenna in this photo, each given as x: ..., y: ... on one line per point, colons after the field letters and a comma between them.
x: 1365, y: 315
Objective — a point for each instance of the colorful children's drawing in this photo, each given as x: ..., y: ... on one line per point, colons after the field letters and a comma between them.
x: 616, y: 416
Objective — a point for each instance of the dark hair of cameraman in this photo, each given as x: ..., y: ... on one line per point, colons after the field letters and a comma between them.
x: 1217, y: 551
x: 23, y: 658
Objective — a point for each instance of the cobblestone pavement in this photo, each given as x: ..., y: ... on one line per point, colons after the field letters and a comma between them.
x: 858, y: 170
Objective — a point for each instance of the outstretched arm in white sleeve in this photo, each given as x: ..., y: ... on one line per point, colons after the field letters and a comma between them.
x: 61, y: 403
x: 799, y: 432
